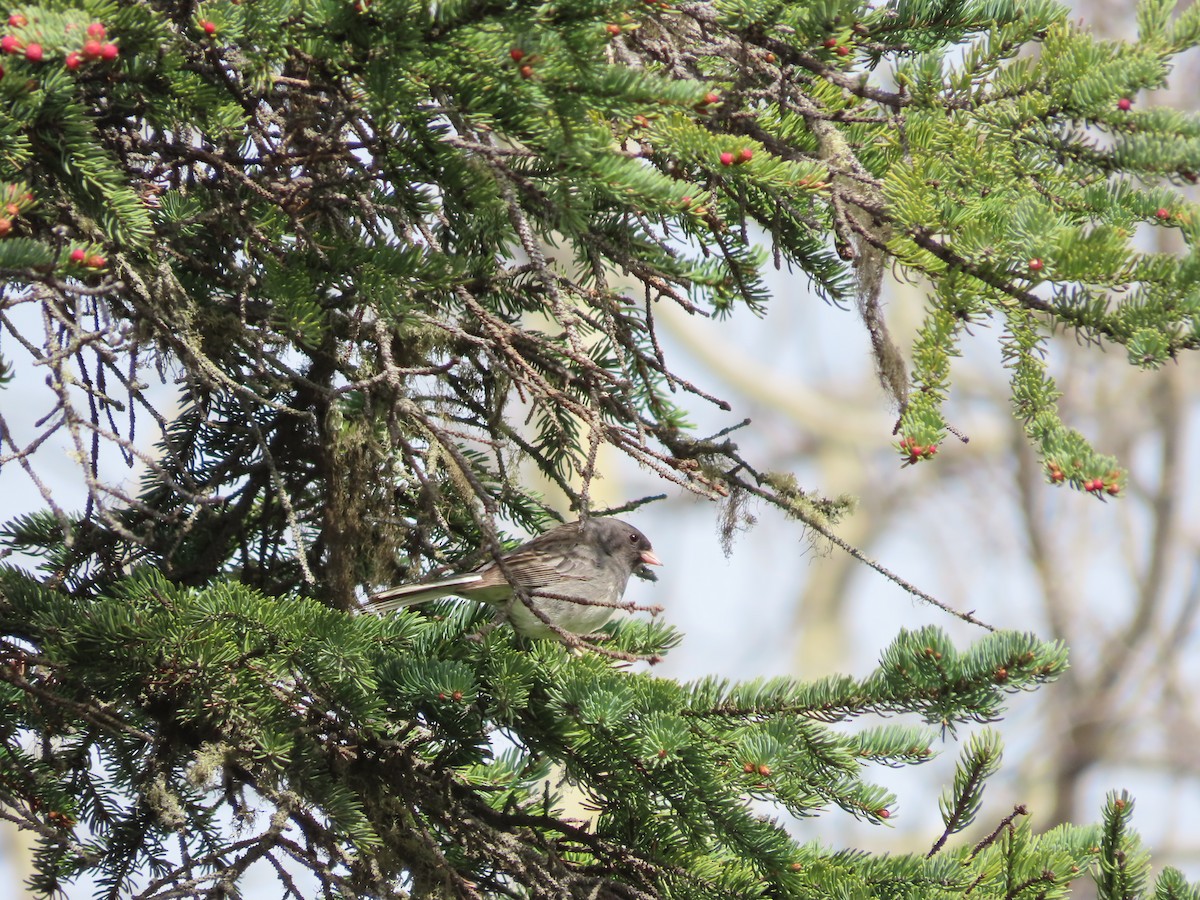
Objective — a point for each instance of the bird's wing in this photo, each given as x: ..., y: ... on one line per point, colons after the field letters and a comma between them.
x: 553, y: 558
x: 412, y: 594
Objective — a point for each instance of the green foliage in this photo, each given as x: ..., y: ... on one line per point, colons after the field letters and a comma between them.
x: 980, y: 760
x: 371, y: 725
x: 1124, y: 865
x: 341, y: 713
x: 389, y: 257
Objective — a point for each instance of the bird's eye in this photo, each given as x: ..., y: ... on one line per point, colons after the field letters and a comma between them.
x: 633, y: 538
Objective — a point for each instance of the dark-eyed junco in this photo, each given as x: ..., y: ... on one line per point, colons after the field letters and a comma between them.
x: 574, y: 574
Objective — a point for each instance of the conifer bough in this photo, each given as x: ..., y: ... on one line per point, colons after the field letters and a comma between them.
x: 329, y: 225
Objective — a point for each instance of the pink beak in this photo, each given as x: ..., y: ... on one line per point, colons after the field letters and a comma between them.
x: 650, y: 559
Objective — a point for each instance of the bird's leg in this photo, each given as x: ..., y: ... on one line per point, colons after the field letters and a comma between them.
x: 486, y: 629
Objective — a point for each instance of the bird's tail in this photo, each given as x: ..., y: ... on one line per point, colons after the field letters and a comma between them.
x: 411, y: 594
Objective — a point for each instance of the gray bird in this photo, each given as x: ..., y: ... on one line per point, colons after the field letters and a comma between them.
x: 573, y: 573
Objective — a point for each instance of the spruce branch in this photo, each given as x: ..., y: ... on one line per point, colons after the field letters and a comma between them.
x: 360, y: 271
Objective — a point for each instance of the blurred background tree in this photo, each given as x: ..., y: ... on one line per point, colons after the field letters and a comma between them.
x: 356, y: 288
